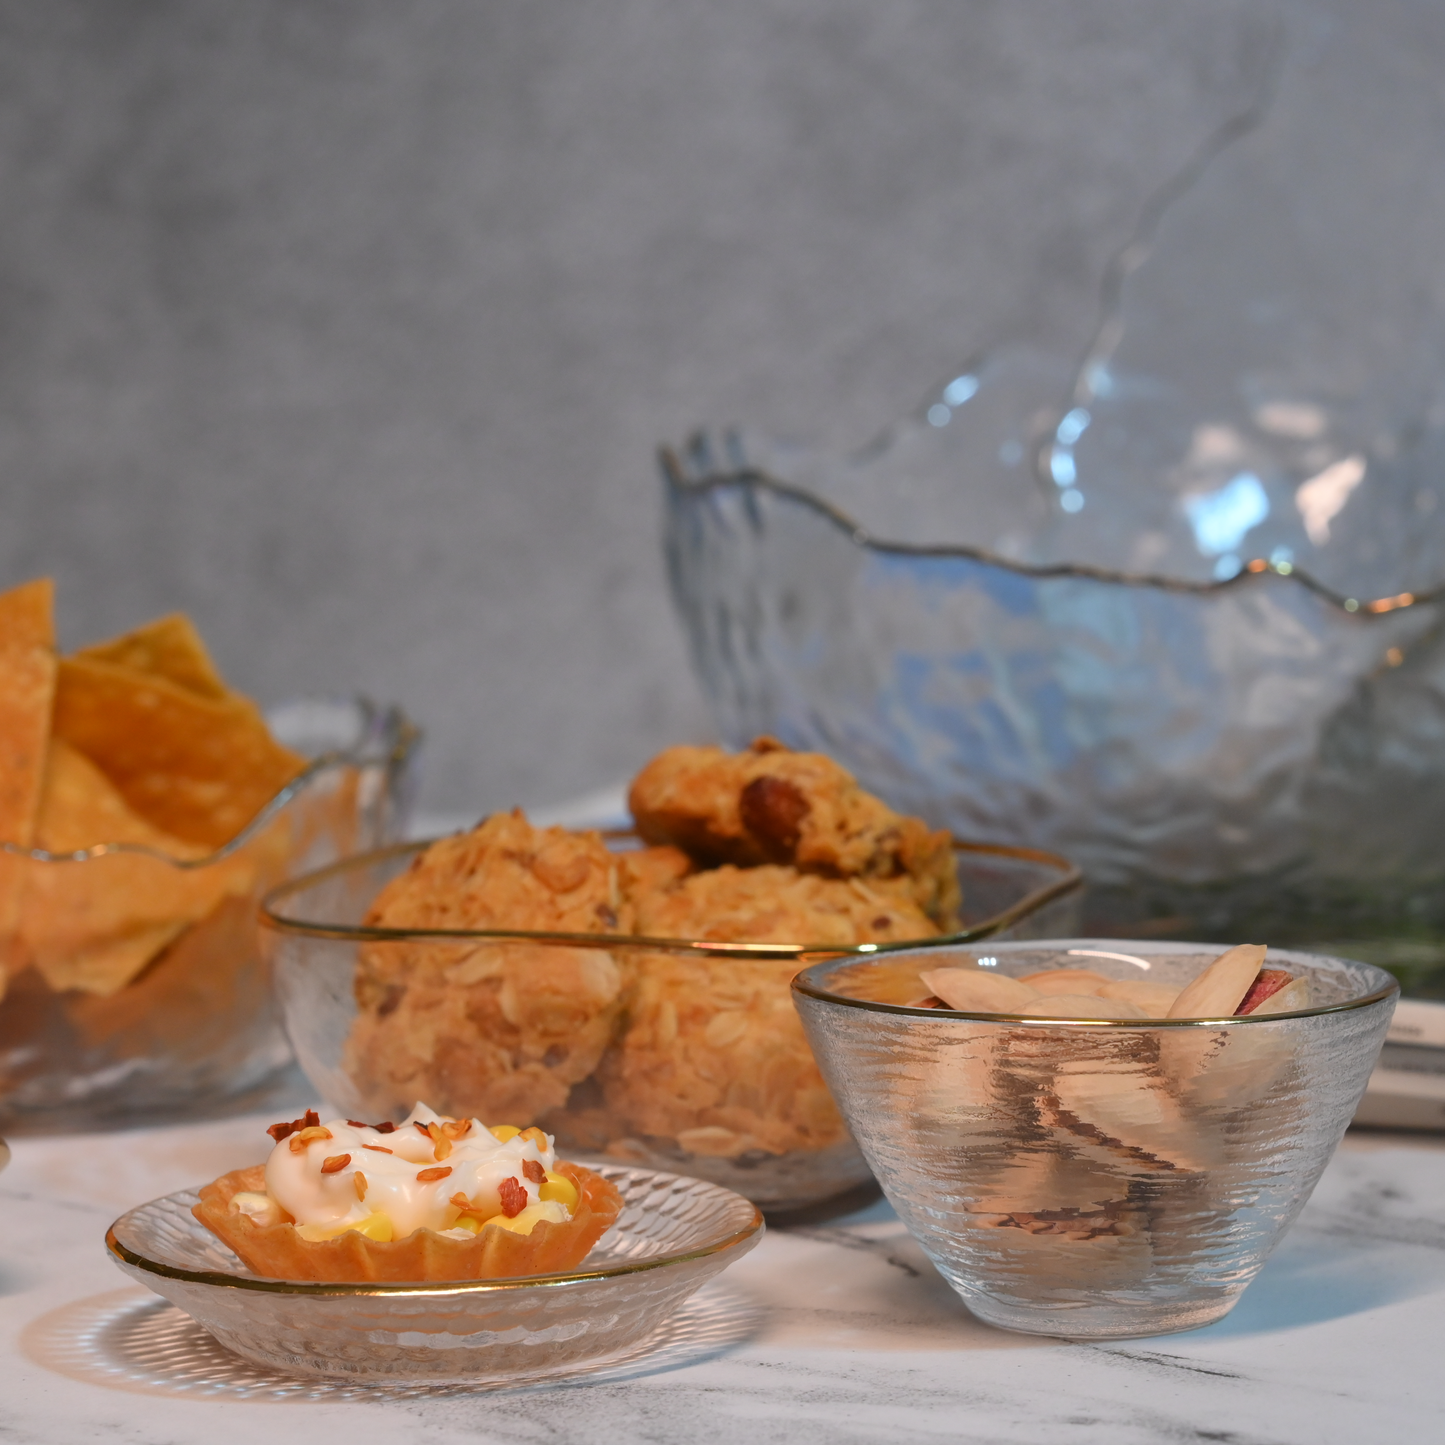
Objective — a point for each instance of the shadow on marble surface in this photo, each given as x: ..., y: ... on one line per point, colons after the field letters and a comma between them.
x: 1317, y: 1277
x: 15, y: 1278
x: 131, y: 1341
x: 863, y: 1203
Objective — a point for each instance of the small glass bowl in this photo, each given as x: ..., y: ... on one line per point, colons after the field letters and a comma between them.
x: 1087, y: 1178
x: 672, y: 1236
x: 694, y: 1063
x: 197, y: 1028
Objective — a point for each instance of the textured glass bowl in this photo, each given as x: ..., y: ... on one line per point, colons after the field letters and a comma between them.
x: 1216, y: 754
x: 1165, y: 593
x: 740, y: 1101
x: 672, y: 1236
x: 198, y: 1027
x: 1085, y: 1178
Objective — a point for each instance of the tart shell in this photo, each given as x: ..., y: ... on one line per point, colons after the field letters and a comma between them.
x: 278, y: 1252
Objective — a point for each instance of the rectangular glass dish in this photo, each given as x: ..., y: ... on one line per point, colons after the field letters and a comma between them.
x: 676, y: 1054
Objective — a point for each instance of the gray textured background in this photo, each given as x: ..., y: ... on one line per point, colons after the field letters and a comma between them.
x: 351, y: 327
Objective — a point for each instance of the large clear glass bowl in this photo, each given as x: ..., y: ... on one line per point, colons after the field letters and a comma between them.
x: 676, y: 1054
x: 1086, y: 1178
x: 1163, y: 590
x: 1218, y: 755
x: 197, y: 1029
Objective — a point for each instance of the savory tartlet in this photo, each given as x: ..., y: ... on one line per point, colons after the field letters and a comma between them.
x: 429, y: 1199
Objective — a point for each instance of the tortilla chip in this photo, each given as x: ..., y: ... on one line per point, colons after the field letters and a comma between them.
x: 27, y: 688
x: 27, y: 685
x: 169, y: 647
x: 94, y: 925
x: 80, y: 808
x: 27, y: 614
x: 197, y: 767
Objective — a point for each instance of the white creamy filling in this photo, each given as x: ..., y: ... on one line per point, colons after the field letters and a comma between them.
x: 359, y: 1171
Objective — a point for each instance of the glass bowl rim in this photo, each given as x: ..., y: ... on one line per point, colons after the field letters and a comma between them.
x: 442, y: 1288
x: 808, y: 988
x: 1070, y: 879
x: 678, y: 478
x: 399, y: 741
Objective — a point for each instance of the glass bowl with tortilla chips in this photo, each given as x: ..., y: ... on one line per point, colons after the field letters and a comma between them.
x: 145, y: 808
x: 680, y: 1054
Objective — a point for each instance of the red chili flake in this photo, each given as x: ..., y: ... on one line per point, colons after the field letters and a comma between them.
x: 309, y: 1120
x: 514, y: 1197
x: 335, y: 1163
x: 377, y: 1149
x: 426, y: 1176
x: 357, y: 1124
x: 1267, y: 981
x: 384, y: 1128
x: 534, y: 1171
x: 423, y: 1129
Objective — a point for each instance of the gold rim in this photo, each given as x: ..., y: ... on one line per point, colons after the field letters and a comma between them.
x: 1391, y: 989
x: 1256, y: 569
x: 392, y: 754
x: 1070, y: 879
x: 258, y: 1284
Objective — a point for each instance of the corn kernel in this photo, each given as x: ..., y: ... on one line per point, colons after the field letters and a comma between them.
x: 503, y: 1132
x: 528, y: 1219
x: 470, y: 1223
x: 376, y: 1225
x: 560, y: 1188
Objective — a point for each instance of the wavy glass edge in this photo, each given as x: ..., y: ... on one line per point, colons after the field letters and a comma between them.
x: 680, y: 480
x: 809, y: 989
x: 401, y: 737
x: 261, y: 1284
x: 1070, y: 880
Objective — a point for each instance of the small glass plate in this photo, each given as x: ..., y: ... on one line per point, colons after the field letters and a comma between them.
x: 673, y: 1235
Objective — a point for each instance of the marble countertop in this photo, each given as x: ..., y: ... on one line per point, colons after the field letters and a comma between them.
x: 835, y: 1330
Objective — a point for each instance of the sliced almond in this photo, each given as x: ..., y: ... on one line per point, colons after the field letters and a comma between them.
x: 713, y: 1141
x: 1066, y: 980
x: 1294, y: 995
x: 1156, y: 999
x: 1217, y: 992
x: 301, y: 1140
x: 1082, y: 1006
x: 977, y: 990
x: 1125, y: 1116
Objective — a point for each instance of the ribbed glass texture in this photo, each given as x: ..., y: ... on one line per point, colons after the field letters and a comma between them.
x: 1096, y: 1180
